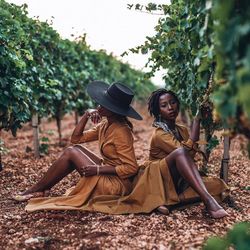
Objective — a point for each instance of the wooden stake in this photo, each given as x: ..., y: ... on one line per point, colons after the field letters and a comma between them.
x: 203, y: 138
x: 1, y: 166
x: 58, y: 123
x: 35, y: 135
x: 225, y: 160
x: 76, y: 117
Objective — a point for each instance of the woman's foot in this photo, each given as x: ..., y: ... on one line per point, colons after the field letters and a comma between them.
x: 214, y: 209
x: 26, y: 197
x: 220, y: 213
x: 163, y: 210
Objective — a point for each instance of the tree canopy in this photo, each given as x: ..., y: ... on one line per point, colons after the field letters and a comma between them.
x: 42, y: 73
x: 204, y: 48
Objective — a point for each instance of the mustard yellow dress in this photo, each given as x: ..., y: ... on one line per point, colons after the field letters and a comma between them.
x: 153, y: 185
x: 116, y: 148
x: 156, y: 169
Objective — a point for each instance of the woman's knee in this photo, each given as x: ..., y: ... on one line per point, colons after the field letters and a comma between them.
x: 174, y: 155
x: 69, y: 151
x: 181, y: 152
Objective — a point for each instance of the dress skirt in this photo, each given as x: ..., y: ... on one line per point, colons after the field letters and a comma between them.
x: 153, y: 186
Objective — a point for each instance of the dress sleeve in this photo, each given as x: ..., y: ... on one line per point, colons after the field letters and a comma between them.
x: 125, y: 151
x: 189, y: 144
x: 88, y: 135
x: 168, y: 143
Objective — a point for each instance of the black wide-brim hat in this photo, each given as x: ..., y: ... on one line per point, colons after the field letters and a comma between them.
x: 115, y: 97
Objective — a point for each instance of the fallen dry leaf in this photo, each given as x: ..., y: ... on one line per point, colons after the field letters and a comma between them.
x: 184, y: 229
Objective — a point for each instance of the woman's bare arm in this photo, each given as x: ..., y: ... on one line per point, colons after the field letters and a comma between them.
x: 195, y: 130
x: 80, y: 127
x: 77, y: 133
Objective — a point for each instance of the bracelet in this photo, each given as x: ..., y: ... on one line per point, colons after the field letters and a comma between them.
x: 98, y: 170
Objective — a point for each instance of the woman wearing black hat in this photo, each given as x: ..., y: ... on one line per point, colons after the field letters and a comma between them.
x: 109, y: 175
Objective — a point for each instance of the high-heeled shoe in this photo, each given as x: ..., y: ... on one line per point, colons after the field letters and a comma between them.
x: 26, y: 197
x: 163, y: 210
x: 220, y: 213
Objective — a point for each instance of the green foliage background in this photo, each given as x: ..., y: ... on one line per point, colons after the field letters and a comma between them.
x: 205, y: 51
x: 237, y: 238
x: 42, y: 73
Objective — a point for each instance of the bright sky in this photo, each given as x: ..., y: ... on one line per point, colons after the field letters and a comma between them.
x: 108, y: 23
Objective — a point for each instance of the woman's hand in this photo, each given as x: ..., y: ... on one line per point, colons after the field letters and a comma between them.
x: 195, y: 130
x: 198, y: 114
x: 94, y: 115
x: 204, y: 111
x: 89, y: 170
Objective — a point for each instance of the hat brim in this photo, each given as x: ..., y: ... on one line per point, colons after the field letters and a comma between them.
x: 97, y: 91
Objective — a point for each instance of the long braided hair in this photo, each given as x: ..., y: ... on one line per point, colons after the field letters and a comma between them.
x: 153, y: 101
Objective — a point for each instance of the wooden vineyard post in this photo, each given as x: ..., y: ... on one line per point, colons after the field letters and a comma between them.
x: 1, y: 165
x: 58, y: 117
x: 76, y: 117
x: 35, y: 135
x: 58, y: 123
x: 203, y: 138
x: 225, y: 160
x: 203, y: 148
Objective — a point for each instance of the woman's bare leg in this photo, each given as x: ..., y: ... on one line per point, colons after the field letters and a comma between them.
x: 182, y: 161
x: 71, y: 158
x: 90, y: 154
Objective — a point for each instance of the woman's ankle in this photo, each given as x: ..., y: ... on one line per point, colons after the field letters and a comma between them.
x: 212, y: 204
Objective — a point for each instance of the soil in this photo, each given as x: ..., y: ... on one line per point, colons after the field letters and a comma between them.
x: 182, y: 229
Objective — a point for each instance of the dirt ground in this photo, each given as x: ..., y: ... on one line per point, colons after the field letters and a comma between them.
x: 182, y: 229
